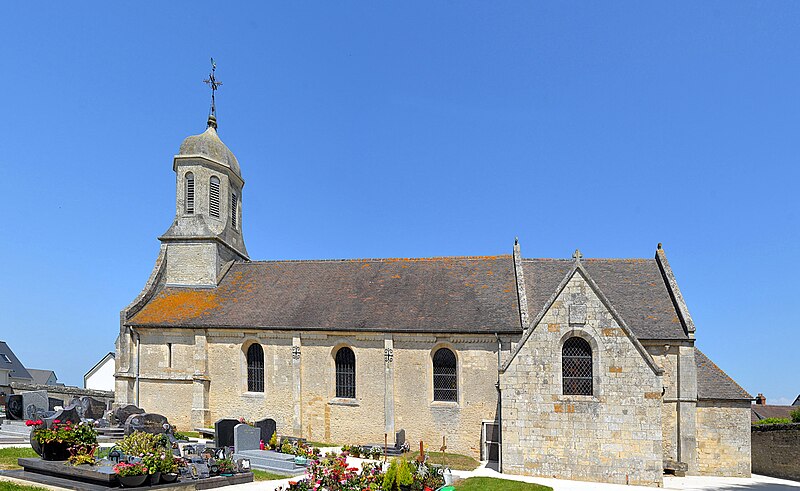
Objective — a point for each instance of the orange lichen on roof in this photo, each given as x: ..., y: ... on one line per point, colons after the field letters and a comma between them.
x: 171, y: 306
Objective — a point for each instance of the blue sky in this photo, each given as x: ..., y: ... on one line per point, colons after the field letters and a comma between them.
x: 374, y: 129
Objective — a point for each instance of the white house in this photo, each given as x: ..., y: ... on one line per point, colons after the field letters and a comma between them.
x: 101, y: 376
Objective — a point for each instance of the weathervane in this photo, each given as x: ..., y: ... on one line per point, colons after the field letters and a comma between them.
x: 212, y: 82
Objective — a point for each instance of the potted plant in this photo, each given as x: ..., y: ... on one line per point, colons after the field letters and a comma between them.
x: 168, y: 466
x: 226, y: 467
x: 131, y: 475
x: 56, y: 440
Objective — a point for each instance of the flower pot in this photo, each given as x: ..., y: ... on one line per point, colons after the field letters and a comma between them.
x: 169, y: 477
x: 405, y: 487
x: 55, y: 451
x: 132, y: 481
x: 155, y: 478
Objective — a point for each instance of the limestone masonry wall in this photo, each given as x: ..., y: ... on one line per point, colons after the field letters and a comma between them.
x: 614, y: 435
x: 723, y: 438
x: 776, y: 450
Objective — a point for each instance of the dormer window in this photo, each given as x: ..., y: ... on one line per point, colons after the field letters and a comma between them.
x: 234, y: 207
x: 189, y: 193
x: 213, y: 197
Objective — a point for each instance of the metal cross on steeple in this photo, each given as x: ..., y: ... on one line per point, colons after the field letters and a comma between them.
x: 212, y: 82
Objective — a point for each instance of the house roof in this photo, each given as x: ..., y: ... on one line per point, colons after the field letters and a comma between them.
x: 714, y: 383
x: 796, y: 401
x: 41, y: 376
x: 446, y: 294
x: 764, y: 411
x: 15, y: 367
x: 635, y: 287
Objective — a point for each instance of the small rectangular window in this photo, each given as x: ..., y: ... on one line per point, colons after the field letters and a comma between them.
x: 169, y: 355
x: 213, y: 197
x: 5, y: 358
x: 190, y: 194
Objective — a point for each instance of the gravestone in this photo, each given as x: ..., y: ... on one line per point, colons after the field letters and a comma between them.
x: 14, y: 408
x: 223, y: 432
x: 400, y: 438
x: 122, y: 413
x: 89, y: 407
x: 34, y: 402
x: 69, y: 413
x: 246, y: 437
x: 146, y: 422
x: 267, y: 427
x: 52, y: 402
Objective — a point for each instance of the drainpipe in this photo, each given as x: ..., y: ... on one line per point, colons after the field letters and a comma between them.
x: 499, y: 409
x: 138, y: 353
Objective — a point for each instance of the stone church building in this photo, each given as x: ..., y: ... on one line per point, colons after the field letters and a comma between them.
x: 576, y: 368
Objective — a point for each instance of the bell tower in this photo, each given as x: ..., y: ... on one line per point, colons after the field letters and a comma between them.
x: 207, y: 231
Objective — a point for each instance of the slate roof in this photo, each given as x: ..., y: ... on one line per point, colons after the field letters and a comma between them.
x: 635, y: 287
x: 41, y: 376
x: 713, y: 383
x: 17, y: 369
x: 764, y: 411
x: 796, y: 401
x: 448, y: 294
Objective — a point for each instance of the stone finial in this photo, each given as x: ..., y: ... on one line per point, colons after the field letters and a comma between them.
x: 516, y: 240
x: 212, y: 122
x: 577, y: 255
x: 659, y: 246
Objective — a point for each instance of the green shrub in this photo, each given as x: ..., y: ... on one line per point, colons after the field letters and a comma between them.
x: 773, y: 421
x: 404, y: 475
x: 795, y: 415
x: 390, y: 477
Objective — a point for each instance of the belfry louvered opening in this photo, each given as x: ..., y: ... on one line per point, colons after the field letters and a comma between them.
x: 234, y: 208
x: 213, y: 197
x: 576, y: 367
x: 189, y: 193
x: 345, y: 373
x: 255, y: 368
x: 445, y: 378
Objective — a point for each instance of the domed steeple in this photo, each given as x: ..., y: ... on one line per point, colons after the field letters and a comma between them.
x: 206, y: 234
x: 208, y: 144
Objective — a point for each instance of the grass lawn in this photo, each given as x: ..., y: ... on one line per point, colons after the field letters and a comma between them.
x: 10, y: 486
x: 453, y: 460
x: 9, y: 456
x: 490, y: 483
x: 266, y: 476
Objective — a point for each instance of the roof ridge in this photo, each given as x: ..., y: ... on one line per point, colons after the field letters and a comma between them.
x: 378, y: 259
x: 589, y: 259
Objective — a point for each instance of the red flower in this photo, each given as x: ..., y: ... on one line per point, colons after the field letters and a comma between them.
x: 56, y: 421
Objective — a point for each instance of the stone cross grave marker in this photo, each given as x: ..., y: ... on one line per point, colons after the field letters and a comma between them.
x: 267, y: 427
x: 223, y: 432
x: 246, y: 437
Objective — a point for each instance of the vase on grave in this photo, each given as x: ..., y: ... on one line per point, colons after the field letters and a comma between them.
x: 55, y: 451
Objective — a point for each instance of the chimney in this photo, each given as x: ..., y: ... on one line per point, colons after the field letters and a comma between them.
x: 761, y: 400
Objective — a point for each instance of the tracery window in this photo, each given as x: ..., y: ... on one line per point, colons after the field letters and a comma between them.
x: 576, y: 367
x: 213, y: 197
x: 189, y: 193
x: 255, y: 368
x: 445, y: 379
x: 345, y: 373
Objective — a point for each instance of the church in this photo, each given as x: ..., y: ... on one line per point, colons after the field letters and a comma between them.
x: 575, y: 367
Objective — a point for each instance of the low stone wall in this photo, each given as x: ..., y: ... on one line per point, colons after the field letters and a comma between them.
x: 65, y: 392
x: 776, y: 450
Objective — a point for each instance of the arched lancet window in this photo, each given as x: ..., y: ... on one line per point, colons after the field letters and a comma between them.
x: 576, y: 367
x: 445, y: 379
x: 189, y: 193
x: 234, y: 207
x: 213, y: 197
x: 345, y: 373
x: 255, y: 368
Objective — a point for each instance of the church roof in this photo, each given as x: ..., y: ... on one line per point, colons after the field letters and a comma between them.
x: 635, y: 287
x: 713, y: 383
x: 448, y: 294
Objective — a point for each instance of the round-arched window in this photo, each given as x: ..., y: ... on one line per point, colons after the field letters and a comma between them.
x: 255, y: 368
x: 445, y: 378
x: 576, y: 367
x: 345, y: 373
